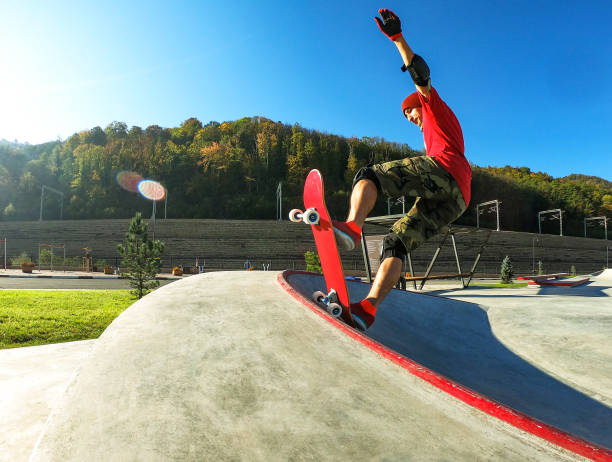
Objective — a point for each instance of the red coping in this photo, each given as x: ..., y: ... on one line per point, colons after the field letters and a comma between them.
x: 502, y: 412
x: 564, y: 283
x: 542, y: 277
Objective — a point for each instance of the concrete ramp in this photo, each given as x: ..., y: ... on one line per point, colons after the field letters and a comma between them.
x: 450, y: 344
x: 604, y: 276
x: 229, y: 366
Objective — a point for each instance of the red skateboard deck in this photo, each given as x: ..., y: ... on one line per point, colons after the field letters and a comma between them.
x: 314, y: 198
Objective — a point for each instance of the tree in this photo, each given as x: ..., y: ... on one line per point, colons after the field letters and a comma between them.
x: 141, y: 257
x: 94, y: 136
x: 507, y: 273
x: 116, y: 130
x: 9, y: 210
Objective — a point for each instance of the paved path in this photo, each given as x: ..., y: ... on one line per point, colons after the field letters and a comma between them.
x: 16, y: 279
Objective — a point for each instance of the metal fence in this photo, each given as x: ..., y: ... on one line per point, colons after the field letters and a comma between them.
x: 352, y: 266
x: 168, y: 262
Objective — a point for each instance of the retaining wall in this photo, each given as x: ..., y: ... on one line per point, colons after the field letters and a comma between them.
x: 226, y: 244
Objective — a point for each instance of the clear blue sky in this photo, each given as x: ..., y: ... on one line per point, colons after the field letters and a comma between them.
x: 530, y: 81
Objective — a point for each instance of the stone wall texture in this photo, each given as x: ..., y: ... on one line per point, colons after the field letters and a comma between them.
x: 227, y: 244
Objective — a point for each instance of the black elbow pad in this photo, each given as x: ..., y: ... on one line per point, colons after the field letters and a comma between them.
x: 419, y: 71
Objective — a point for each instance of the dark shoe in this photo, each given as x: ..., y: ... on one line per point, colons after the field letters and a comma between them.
x: 348, y: 234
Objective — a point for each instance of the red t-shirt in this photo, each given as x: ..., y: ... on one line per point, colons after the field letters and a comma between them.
x: 444, y: 141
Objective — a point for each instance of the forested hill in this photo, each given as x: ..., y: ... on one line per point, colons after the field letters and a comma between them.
x: 233, y: 169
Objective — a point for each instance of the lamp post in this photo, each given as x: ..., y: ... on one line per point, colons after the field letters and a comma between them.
x: 605, y: 223
x: 42, y: 196
x: 401, y: 200
x: 494, y: 206
x: 153, y: 216
x: 279, y: 201
x: 533, y: 241
x: 154, y: 191
x: 559, y: 211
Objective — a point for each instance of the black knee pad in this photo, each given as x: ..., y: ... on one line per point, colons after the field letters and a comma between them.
x: 392, y: 246
x: 367, y: 173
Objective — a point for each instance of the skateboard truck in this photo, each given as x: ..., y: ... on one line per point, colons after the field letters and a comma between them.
x: 329, y: 302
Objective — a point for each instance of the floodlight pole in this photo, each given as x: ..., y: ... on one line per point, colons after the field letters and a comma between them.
x: 42, y: 195
x: 605, y: 222
x: 496, y: 203
x: 559, y: 211
x: 533, y: 241
x: 153, y: 216
x: 401, y: 200
x: 4, y: 240
x: 279, y: 201
x: 155, y: 208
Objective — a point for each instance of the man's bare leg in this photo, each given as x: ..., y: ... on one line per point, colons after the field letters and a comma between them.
x: 387, y: 276
x: 363, y: 199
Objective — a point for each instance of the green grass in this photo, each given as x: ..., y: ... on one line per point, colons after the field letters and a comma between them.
x: 40, y: 317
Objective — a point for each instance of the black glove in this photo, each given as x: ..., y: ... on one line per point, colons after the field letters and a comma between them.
x: 390, y: 25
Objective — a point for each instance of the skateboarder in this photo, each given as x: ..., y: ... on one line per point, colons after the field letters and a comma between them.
x: 440, y: 182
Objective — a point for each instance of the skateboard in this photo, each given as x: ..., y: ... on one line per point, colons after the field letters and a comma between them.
x: 336, y: 302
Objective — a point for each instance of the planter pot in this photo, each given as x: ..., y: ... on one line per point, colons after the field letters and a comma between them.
x: 177, y: 272
x: 27, y: 267
x: 108, y: 270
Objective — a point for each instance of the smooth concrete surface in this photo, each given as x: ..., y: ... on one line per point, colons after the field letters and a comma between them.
x: 546, y: 353
x: 566, y: 332
x: 604, y: 276
x: 228, y: 366
x: 32, y: 380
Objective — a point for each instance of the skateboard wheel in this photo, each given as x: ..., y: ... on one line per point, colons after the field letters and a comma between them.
x: 311, y: 217
x: 334, y: 309
x: 295, y: 215
x: 319, y: 297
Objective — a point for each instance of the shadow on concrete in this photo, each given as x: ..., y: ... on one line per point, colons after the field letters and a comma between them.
x: 585, y: 290
x: 454, y: 339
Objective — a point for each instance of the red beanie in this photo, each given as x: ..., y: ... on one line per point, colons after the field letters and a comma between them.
x: 411, y: 101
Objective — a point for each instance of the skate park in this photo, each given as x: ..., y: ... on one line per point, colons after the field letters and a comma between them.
x: 207, y: 339
x: 258, y: 372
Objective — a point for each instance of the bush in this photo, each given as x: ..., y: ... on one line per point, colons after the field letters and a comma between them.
x: 46, y: 257
x: 74, y: 262
x: 23, y: 258
x: 507, y: 273
x: 313, y: 263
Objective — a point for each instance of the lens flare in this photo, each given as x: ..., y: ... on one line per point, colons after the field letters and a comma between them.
x: 129, y: 180
x: 151, y: 190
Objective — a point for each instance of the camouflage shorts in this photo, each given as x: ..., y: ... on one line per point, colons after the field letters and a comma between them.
x: 438, y: 202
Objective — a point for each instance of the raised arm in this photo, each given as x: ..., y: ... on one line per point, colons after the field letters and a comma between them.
x: 391, y: 26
